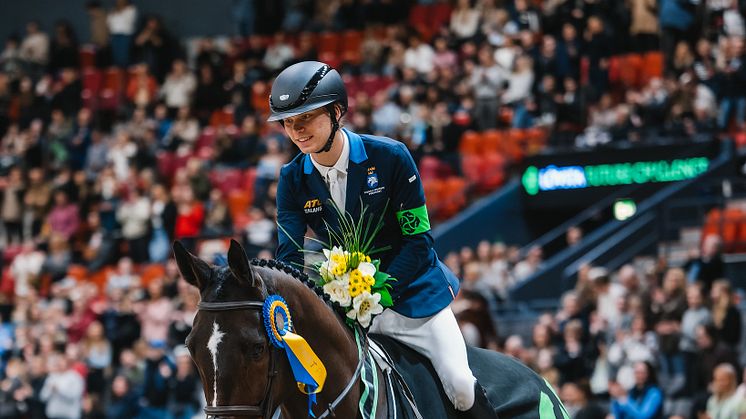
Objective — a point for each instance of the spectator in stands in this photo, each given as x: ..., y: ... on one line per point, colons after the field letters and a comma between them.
x: 63, y: 389
x: 464, y: 22
x: 208, y: 95
x: 487, y: 80
x: 189, y: 218
x: 217, y: 215
x: 732, y: 68
x: 63, y: 217
x: 154, y: 46
x: 123, y: 403
x: 121, y: 21
x: 279, y: 53
x: 532, y: 262
x: 34, y: 49
x: 573, y: 355
x: 98, y: 356
x: 644, y: 400
x: 156, y: 392
x: 155, y: 313
x: 725, y: 316
x: 184, y: 132
x: 577, y: 400
x: 185, y: 385
x: 725, y: 402
x: 134, y: 216
x: 163, y: 219
x: 178, y: 87
x: 98, y: 29
x: 419, y: 55
x: 630, y: 347
x: 63, y: 48
x: 11, y: 205
x: 142, y: 87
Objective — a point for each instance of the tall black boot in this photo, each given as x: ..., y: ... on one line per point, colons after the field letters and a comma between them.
x: 483, y: 408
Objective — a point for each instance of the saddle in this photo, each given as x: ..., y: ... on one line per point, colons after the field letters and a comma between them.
x: 514, y: 389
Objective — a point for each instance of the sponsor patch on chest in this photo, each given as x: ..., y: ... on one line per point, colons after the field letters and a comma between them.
x: 312, y: 206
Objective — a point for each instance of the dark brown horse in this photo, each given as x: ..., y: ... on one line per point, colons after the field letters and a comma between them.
x: 244, y: 375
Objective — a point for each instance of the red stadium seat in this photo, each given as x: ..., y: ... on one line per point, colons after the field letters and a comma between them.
x: 87, y: 56
x: 652, y: 66
x: 329, y: 48
x: 226, y: 180
x: 471, y: 142
x: 492, y: 141
x: 351, y: 47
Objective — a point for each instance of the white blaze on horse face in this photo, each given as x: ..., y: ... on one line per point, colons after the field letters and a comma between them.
x: 212, y: 345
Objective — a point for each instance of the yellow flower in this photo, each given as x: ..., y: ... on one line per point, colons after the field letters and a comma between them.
x: 355, y: 290
x: 369, y: 280
x: 356, y: 277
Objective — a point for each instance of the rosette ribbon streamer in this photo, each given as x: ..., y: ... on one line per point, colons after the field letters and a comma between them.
x: 308, y: 370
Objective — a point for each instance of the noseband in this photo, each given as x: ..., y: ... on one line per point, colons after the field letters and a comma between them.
x: 263, y: 409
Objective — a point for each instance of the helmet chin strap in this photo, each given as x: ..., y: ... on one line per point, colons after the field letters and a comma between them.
x: 335, y: 126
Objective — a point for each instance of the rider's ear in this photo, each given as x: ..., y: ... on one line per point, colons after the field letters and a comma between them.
x: 238, y: 263
x: 193, y: 269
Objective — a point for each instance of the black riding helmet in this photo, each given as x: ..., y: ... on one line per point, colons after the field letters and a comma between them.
x: 306, y: 86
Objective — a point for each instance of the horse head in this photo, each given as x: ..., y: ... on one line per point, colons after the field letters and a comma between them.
x: 243, y: 374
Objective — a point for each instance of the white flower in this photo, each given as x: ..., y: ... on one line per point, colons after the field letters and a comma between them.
x: 324, y: 272
x: 364, y: 306
x: 336, y: 250
x: 338, y: 292
x: 366, y: 268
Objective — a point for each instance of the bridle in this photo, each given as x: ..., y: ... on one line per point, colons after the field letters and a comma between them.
x: 263, y: 409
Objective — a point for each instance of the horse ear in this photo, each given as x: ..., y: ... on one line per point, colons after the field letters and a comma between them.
x: 238, y: 263
x: 194, y: 270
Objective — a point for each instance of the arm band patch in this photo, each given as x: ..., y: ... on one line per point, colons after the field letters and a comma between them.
x: 413, y: 221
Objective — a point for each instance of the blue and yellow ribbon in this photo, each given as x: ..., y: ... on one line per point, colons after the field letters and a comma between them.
x: 308, y: 370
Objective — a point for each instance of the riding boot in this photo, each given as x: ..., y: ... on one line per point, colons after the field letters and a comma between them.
x: 482, y: 408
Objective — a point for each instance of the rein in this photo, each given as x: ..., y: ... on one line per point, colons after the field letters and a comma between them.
x: 266, y: 404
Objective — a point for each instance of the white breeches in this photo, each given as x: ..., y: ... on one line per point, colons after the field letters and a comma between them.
x: 439, y: 339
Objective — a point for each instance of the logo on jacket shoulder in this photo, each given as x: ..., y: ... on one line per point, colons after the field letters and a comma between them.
x: 312, y: 206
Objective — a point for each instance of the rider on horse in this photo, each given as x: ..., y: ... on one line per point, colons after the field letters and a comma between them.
x: 309, y: 99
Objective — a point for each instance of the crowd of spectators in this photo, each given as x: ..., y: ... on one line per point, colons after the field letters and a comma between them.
x: 81, y: 182
x: 646, y: 341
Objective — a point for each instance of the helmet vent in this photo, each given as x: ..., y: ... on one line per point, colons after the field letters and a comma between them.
x: 305, y: 93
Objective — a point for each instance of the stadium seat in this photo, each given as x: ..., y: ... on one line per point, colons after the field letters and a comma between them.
x: 226, y: 180
x: 166, y: 162
x: 429, y: 167
x: 238, y: 204
x: 471, y: 142
x: 222, y: 117
x: 206, y: 138
x: 150, y: 272
x: 652, y: 66
x: 630, y: 70
x: 493, y: 140
x: 77, y: 272
x: 87, y: 54
x: 329, y: 48
x: 351, y: 47
x: 454, y: 196
x: 112, y: 87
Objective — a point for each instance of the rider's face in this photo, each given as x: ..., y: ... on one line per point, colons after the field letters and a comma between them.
x: 309, y: 131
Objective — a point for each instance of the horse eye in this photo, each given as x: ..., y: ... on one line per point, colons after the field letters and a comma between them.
x: 257, y: 350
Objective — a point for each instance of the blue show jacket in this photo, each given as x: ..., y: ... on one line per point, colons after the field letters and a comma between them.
x: 383, y: 174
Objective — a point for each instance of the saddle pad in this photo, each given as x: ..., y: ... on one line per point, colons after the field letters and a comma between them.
x: 514, y: 389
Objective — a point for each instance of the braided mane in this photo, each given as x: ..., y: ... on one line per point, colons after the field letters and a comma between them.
x: 302, y: 277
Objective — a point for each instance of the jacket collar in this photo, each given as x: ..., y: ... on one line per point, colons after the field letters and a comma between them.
x: 357, y: 152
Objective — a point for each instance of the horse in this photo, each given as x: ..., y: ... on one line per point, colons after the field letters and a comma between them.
x: 244, y: 375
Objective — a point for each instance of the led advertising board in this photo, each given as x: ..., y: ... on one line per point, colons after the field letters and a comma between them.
x: 580, y: 178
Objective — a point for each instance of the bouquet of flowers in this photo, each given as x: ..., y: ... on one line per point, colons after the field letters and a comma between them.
x: 348, y: 274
